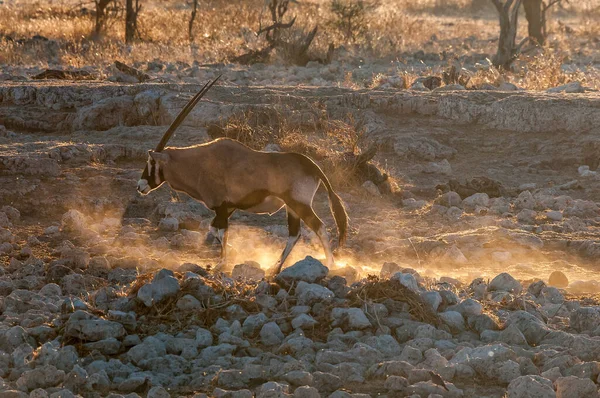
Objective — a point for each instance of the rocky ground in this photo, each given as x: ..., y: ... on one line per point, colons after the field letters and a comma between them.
x: 475, y: 277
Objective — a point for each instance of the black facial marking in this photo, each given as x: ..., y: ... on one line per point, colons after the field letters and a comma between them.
x: 150, y: 175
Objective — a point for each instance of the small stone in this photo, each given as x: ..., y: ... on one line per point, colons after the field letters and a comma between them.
x: 450, y: 87
x: 371, y: 188
x: 527, y: 216
x: 326, y: 382
x: 469, y: 307
x: 309, y: 293
x: 554, y: 215
x: 389, y: 269
x: 395, y: 383
x: 411, y: 355
x: 450, y: 199
x: 585, y: 319
x: 248, y: 270
x: 353, y: 318
x: 158, y: 392
x: 298, y: 378
x: 531, y: 386
x: 308, y: 270
x: 407, y: 280
x: 569, y: 88
x: 303, y: 321
x: 188, y: 303
x: 271, y: 334
x: 558, y: 279
x: 574, y: 387
x: 169, y: 224
x: 306, y: 392
x: 505, y: 283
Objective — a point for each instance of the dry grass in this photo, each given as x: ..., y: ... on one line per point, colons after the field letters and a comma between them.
x: 225, y: 29
x: 332, y: 143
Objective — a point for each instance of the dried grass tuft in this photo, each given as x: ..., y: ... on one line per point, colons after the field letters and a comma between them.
x: 378, y: 291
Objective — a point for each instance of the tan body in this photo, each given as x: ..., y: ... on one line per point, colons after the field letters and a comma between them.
x: 227, y: 171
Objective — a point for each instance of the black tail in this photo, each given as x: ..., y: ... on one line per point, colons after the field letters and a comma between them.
x: 337, y: 206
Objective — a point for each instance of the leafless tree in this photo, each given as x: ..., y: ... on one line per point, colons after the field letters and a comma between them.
x: 533, y: 14
x: 101, y: 6
x: 508, y: 50
x: 192, y: 18
x: 536, y: 13
x: 131, y: 14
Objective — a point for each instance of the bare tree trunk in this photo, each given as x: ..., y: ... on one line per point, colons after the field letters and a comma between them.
x: 131, y: 14
x: 192, y: 18
x: 533, y: 13
x: 100, y: 17
x: 508, y: 13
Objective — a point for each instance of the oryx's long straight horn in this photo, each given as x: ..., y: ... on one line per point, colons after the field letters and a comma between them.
x: 184, y: 112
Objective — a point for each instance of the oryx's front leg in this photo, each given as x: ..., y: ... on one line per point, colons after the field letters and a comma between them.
x: 219, y: 227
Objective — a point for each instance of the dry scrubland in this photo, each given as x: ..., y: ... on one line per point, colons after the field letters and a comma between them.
x: 471, y: 269
x: 394, y: 32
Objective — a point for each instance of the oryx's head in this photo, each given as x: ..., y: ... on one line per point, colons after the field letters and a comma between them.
x: 153, y: 174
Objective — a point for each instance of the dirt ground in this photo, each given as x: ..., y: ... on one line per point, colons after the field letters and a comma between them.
x: 97, y: 171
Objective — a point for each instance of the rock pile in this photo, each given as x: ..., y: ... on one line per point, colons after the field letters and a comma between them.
x: 306, y: 334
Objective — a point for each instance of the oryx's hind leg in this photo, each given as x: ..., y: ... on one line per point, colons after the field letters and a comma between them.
x: 308, y: 215
x: 294, y: 235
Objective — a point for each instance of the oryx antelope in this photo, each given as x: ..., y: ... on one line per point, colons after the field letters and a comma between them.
x: 226, y: 175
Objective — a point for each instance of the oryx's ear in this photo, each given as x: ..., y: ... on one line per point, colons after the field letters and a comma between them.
x: 161, y: 157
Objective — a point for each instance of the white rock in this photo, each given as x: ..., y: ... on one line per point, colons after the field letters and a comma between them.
x: 433, y: 298
x: 469, y: 307
x: 389, y: 269
x: 371, y: 188
x: 308, y: 270
x: 73, y: 220
x: 558, y: 279
x: 527, y: 216
x: 309, y: 293
x: 442, y: 167
x: 168, y: 224
x: 411, y: 355
x: 572, y: 87
x: 271, y: 334
x: 158, y: 392
x: 85, y: 326
x: 525, y: 200
x: 476, y: 200
x: 413, y: 204
x: 407, y: 280
x: 574, y: 387
x: 450, y: 199
x: 41, y: 377
x: 248, y: 270
x: 306, y: 392
x: 505, y: 283
x: 151, y: 347
x: 585, y: 318
x: 454, y: 255
x: 188, y: 303
x: 303, y: 321
x: 395, y: 383
x: 354, y: 318
x: 163, y: 286
x: 454, y: 320
x: 554, y: 215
